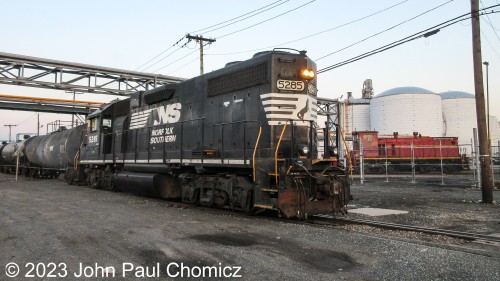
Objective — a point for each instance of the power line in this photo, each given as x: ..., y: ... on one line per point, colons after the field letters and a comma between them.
x: 261, y: 22
x: 236, y: 32
x: 196, y: 50
x: 162, y: 59
x: 233, y: 19
x: 200, y: 39
x: 421, y: 34
x: 385, y: 30
x: 315, y: 34
x: 488, y: 21
x: 489, y: 43
x: 164, y: 51
x: 184, y: 65
x: 176, y: 43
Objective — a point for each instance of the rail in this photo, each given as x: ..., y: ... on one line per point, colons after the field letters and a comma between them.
x: 428, y: 230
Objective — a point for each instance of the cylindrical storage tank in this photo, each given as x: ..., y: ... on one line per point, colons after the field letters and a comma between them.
x: 406, y: 110
x: 56, y: 150
x: 459, y: 110
x: 357, y: 115
x: 494, y: 131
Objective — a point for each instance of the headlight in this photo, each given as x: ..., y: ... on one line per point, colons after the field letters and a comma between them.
x: 307, y: 74
x: 334, y: 151
x: 304, y: 150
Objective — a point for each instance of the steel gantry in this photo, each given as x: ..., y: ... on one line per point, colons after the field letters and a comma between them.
x: 331, y: 108
x: 29, y: 71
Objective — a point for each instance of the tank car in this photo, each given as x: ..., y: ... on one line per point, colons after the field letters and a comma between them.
x: 52, y: 154
x: 8, y: 153
x: 242, y: 137
x: 401, y: 152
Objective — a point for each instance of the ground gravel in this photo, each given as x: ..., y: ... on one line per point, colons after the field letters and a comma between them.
x: 49, y: 221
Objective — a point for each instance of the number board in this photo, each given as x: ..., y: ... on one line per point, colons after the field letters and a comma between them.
x: 290, y: 85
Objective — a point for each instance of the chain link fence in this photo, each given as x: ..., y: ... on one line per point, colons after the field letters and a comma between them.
x: 424, y: 165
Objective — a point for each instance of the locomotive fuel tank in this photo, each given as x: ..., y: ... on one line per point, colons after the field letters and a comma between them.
x: 148, y: 184
x: 56, y: 150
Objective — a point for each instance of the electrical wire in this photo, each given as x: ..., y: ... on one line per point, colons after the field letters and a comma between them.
x: 489, y: 43
x: 315, y: 34
x: 421, y: 34
x: 174, y: 61
x: 162, y: 59
x: 234, y: 22
x: 184, y: 65
x: 180, y: 40
x: 488, y: 21
x: 384, y: 31
x: 164, y: 51
x: 248, y: 27
x: 269, y: 19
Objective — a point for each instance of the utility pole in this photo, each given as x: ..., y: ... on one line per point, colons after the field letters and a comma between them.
x: 10, y: 130
x: 484, y: 148
x: 200, y: 40
x: 487, y: 102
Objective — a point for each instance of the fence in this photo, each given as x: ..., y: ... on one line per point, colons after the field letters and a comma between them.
x: 441, y: 165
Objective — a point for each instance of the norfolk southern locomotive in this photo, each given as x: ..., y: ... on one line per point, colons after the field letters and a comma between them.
x: 242, y: 137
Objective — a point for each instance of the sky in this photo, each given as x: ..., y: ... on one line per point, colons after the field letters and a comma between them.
x: 128, y: 34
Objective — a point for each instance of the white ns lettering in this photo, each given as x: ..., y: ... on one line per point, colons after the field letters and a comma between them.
x: 168, y: 114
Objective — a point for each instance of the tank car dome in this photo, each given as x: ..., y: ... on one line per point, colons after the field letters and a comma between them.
x: 406, y: 110
x: 456, y: 95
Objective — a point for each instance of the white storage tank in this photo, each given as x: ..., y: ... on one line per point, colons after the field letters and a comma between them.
x: 494, y: 131
x: 459, y: 110
x: 357, y: 115
x: 406, y: 110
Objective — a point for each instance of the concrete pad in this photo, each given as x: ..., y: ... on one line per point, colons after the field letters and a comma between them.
x: 376, y: 212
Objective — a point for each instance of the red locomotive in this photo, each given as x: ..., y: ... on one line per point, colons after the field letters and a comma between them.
x: 397, y: 153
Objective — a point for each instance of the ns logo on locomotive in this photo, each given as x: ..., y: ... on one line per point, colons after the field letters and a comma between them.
x: 243, y: 137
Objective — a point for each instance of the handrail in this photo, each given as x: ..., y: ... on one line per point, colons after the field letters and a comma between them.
x: 348, y: 152
x: 255, y: 151
x: 276, y: 153
x: 75, y: 160
x: 181, y: 123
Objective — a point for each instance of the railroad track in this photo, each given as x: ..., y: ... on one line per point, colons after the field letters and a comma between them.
x: 388, y: 225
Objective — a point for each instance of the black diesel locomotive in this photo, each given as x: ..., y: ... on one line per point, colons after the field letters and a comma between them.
x: 242, y: 137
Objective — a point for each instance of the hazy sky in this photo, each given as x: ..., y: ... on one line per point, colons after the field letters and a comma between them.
x: 126, y: 34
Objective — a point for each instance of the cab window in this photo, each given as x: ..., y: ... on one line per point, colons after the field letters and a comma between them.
x: 92, y: 124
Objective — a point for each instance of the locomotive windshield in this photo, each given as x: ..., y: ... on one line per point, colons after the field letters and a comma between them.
x: 106, y: 122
